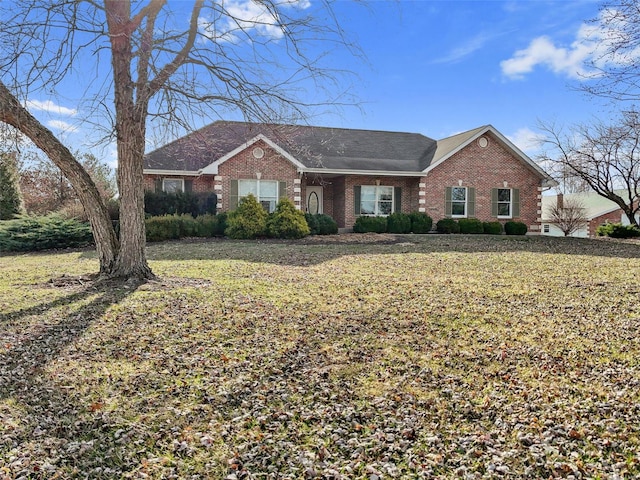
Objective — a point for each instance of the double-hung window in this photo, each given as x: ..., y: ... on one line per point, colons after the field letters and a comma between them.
x: 460, y: 202
x: 172, y: 185
x: 505, y: 202
x: 376, y: 200
x: 265, y: 191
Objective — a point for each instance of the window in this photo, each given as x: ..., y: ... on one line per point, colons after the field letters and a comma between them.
x: 376, y: 200
x: 545, y: 228
x: 172, y: 185
x: 458, y: 201
x: 504, y: 202
x: 265, y: 191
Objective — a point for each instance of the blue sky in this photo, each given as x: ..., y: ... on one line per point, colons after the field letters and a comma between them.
x: 442, y: 67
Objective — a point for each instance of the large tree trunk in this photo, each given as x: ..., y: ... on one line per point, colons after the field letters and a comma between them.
x: 12, y: 113
x: 130, y: 134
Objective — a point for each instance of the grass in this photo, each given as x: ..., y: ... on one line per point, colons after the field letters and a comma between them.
x: 402, y: 357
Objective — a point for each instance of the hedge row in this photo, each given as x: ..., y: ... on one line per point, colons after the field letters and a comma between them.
x: 617, y: 230
x: 180, y: 203
x: 415, y: 222
x: 473, y: 225
x: 28, y: 234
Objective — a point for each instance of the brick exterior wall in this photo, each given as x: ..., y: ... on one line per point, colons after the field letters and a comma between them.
x: 611, y: 217
x: 485, y: 169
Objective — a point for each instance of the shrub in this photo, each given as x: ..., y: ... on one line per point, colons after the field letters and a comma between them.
x: 370, y: 224
x: 286, y: 221
x: 163, y: 203
x: 447, y: 225
x: 420, y: 222
x: 399, y: 223
x: 515, y: 228
x: 470, y: 225
x: 326, y: 225
x: 163, y: 227
x: 25, y: 234
x: 249, y: 220
x: 617, y: 230
x: 492, y: 228
x: 312, y: 223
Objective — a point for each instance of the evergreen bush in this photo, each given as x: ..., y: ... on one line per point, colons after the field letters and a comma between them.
x: 366, y: 224
x: 470, y: 225
x: 287, y: 221
x: 617, y: 230
x: 447, y: 225
x: 515, y: 228
x: 27, y: 234
x: 10, y: 197
x: 312, y: 223
x: 195, y: 204
x: 326, y: 224
x: 399, y: 223
x: 249, y: 220
x: 420, y: 222
x: 492, y: 228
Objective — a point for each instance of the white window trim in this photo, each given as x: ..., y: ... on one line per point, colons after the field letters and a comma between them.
x: 510, y: 203
x: 258, y: 182
x: 181, y: 180
x: 466, y: 202
x: 377, y: 201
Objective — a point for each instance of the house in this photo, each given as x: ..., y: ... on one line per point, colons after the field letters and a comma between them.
x: 597, y: 211
x: 346, y: 173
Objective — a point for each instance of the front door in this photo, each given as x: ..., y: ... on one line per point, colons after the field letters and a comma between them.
x: 314, y: 200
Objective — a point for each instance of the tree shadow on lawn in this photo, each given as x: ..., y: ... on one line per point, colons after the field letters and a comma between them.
x: 39, y: 417
x: 315, y: 250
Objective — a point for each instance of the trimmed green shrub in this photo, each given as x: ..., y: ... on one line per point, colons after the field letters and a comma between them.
x: 399, y: 223
x: 470, y: 225
x: 492, y: 228
x: 249, y: 220
x: 312, y: 223
x: 173, y: 227
x: 617, y: 230
x: 27, y: 234
x: 366, y: 224
x: 286, y: 221
x: 326, y: 225
x: 515, y: 228
x: 447, y: 225
x: 163, y: 203
x: 420, y: 222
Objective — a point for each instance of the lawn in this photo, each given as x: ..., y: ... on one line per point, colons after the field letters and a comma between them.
x: 357, y: 357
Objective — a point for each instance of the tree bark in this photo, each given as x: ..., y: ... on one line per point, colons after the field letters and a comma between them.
x: 130, y: 135
x: 12, y: 113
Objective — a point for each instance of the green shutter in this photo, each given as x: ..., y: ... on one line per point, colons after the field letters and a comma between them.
x: 233, y: 195
x: 471, y: 202
x: 282, y: 189
x: 447, y: 202
x: 494, y: 202
x: 158, y: 185
x: 188, y: 185
x: 397, y: 199
x: 515, y: 202
x: 356, y: 199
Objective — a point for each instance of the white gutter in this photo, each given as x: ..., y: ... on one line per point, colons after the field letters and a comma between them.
x: 377, y: 173
x: 172, y: 173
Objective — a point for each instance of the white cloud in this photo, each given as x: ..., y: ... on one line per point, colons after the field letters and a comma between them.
x: 62, y: 125
x: 49, y: 106
x: 244, y: 16
x: 468, y: 47
x: 589, y: 47
x: 526, y: 140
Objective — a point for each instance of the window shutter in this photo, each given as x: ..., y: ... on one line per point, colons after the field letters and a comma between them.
x: 515, y: 202
x: 447, y: 202
x: 282, y: 190
x: 356, y: 199
x: 397, y: 199
x: 188, y: 185
x: 158, y: 186
x: 471, y: 202
x: 233, y: 195
x: 494, y: 202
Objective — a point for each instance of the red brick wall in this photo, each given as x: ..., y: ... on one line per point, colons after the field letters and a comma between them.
x: 244, y: 166
x: 485, y: 169
x: 612, y: 217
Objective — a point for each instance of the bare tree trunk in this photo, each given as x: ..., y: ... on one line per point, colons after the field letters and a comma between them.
x: 130, y: 135
x: 12, y: 113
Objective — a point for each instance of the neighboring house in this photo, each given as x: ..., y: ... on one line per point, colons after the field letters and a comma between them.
x: 346, y: 173
x: 597, y: 211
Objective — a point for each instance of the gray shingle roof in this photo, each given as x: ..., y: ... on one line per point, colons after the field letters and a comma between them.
x: 314, y: 147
